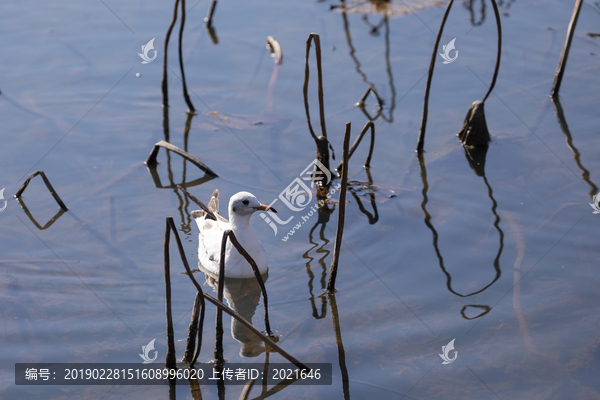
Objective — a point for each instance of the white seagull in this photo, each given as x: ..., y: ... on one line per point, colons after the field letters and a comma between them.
x: 241, y: 207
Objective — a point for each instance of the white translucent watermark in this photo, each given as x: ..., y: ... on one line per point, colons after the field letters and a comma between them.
x: 446, y: 355
x: 2, y: 199
x: 147, y: 349
x: 595, y: 205
x: 447, y: 48
x: 145, y: 50
x: 297, y: 196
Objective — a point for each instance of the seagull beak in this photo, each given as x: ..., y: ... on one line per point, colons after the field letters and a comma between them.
x: 265, y: 208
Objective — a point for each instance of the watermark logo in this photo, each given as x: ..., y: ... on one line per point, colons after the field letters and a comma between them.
x: 2, y: 198
x: 595, y: 205
x: 147, y: 349
x: 447, y: 48
x: 298, y: 195
x: 447, y: 349
x: 145, y: 50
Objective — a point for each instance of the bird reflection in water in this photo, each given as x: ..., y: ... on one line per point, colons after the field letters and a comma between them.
x: 242, y: 296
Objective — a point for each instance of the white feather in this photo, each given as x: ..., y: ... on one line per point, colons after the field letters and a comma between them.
x: 211, y: 236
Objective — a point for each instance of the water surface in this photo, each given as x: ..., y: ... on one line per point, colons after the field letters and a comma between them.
x: 502, y: 262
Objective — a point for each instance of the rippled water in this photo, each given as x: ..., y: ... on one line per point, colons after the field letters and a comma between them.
x: 503, y: 261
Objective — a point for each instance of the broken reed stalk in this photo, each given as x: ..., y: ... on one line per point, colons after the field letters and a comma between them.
x: 229, y: 234
x: 314, y: 37
x: 170, y: 360
x: 259, y: 278
x: 195, y: 390
x: 164, y: 83
x: 562, y: 63
x: 341, y: 213
x: 195, y: 328
x: 170, y: 226
x: 219, y: 319
x: 321, y: 142
x: 275, y: 49
x: 242, y: 320
x: 368, y: 125
x: 198, y: 202
x: 474, y: 131
x: 246, y: 391
x: 48, y: 185
x: 499, y: 53
x: 172, y: 389
x: 191, y: 108
x: 421, y: 141
x: 154, y: 153
x: 209, y: 15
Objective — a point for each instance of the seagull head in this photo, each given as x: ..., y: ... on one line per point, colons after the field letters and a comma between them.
x: 246, y: 204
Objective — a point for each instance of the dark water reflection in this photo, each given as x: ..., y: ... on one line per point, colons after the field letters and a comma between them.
x: 379, y: 110
x: 496, y: 262
x: 560, y: 116
x: 242, y: 296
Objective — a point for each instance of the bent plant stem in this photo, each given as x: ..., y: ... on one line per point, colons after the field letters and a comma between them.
x: 198, y: 202
x: 209, y: 15
x: 191, y: 108
x: 219, y: 320
x: 246, y: 391
x: 562, y: 63
x: 170, y: 358
x: 165, y: 107
x: 164, y: 83
x: 48, y: 185
x: 154, y: 153
x: 389, y: 72
x: 220, y: 382
x: 259, y: 278
x: 195, y: 390
x: 242, y: 320
x: 195, y: 328
x: 341, y: 213
x: 314, y: 37
x: 170, y: 226
x: 173, y: 389
x: 368, y: 125
x: 499, y: 53
x: 321, y: 142
x: 421, y: 142
x: 474, y: 131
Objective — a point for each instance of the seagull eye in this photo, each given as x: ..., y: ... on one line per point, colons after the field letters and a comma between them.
x: 245, y: 202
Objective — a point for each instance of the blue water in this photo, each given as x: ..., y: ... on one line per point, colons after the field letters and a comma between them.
x: 90, y: 287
